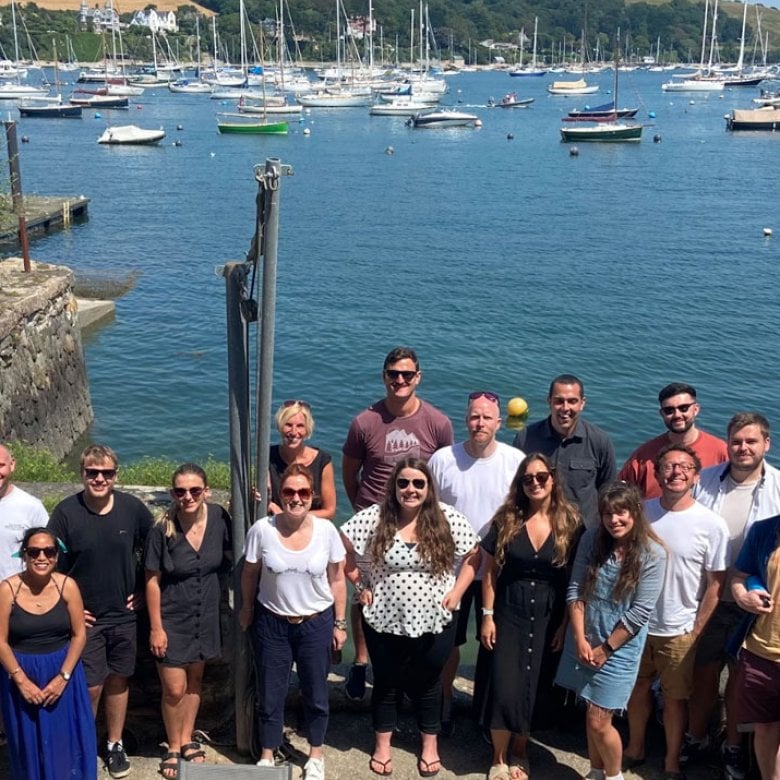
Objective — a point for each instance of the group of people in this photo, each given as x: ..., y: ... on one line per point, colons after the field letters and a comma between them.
x: 580, y: 578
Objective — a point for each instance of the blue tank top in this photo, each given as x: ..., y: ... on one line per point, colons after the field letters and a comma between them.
x: 31, y: 633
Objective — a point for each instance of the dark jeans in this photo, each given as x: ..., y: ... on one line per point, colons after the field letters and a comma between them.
x: 411, y: 665
x: 277, y: 644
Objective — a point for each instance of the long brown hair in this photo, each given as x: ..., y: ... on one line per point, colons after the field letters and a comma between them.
x: 513, y: 513
x: 167, y: 519
x: 435, y: 544
x: 621, y: 497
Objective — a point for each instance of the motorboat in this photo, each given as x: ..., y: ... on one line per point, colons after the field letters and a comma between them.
x: 188, y: 86
x: 132, y: 135
x: 442, y: 118
x: 694, y: 85
x: 510, y: 100
x: 766, y: 118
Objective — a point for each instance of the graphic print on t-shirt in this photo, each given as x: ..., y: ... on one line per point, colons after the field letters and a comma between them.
x: 400, y: 444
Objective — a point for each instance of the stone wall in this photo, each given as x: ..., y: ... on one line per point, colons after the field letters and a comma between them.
x: 44, y: 391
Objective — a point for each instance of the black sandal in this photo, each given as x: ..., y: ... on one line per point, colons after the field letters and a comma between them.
x: 196, y: 751
x: 170, y: 763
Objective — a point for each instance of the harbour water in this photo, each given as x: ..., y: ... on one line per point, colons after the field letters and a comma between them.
x: 500, y: 257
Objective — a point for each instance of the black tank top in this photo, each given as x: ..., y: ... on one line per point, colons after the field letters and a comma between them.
x: 30, y: 633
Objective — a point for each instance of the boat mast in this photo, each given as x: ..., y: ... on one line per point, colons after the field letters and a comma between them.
x: 714, y: 39
x: 617, y: 69
x: 742, y: 40
x: 704, y: 34
x: 536, y: 26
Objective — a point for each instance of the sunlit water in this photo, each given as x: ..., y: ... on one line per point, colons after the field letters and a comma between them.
x: 502, y: 261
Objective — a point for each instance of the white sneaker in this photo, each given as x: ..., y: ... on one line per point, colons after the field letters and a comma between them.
x: 265, y: 762
x: 314, y: 769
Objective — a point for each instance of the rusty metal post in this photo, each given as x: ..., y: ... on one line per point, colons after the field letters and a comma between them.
x: 16, y: 190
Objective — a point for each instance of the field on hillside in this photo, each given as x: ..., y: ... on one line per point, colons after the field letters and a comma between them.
x: 123, y: 6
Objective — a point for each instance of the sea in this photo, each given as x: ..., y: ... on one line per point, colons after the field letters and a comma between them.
x: 498, y: 254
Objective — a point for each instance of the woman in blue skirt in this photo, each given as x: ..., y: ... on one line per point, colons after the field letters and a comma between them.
x: 46, y: 708
x: 617, y: 577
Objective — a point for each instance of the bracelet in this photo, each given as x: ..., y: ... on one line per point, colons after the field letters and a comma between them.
x: 359, y: 587
x: 341, y: 625
x: 14, y: 672
x: 487, y: 612
x: 608, y: 647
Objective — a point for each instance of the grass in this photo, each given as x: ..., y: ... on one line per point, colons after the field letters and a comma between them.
x: 39, y: 465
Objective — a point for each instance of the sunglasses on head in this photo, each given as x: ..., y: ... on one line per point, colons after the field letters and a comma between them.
x: 303, y: 493
x: 35, y: 552
x: 485, y: 394
x: 418, y: 483
x: 407, y: 376
x: 195, y: 492
x: 95, y: 473
x: 304, y: 404
x: 682, y: 408
x: 540, y: 477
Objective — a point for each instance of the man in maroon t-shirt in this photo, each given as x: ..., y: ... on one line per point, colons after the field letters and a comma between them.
x: 401, y: 425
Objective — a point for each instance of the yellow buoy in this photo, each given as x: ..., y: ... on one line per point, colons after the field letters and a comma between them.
x: 517, y: 407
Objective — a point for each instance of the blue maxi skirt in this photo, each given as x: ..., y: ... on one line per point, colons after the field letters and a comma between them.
x: 49, y: 743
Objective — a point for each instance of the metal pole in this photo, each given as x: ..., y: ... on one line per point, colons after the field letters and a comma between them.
x: 269, y: 180
x: 238, y: 409
x: 16, y: 190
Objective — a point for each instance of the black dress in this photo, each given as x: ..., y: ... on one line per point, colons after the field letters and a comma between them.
x: 530, y: 602
x: 189, y: 585
x: 277, y: 466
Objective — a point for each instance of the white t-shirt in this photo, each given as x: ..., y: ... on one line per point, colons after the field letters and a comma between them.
x: 407, y: 598
x: 18, y: 512
x: 476, y: 487
x: 294, y: 582
x: 697, y: 540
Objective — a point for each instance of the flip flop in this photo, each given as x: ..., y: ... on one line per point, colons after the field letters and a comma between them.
x: 516, y: 765
x: 386, y: 770
x: 424, y: 767
x: 170, y: 764
x: 196, y: 751
x: 498, y: 772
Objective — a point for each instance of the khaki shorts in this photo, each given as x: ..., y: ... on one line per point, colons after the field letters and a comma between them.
x: 671, y: 658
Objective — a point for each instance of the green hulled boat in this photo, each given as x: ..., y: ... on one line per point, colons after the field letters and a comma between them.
x: 249, y: 125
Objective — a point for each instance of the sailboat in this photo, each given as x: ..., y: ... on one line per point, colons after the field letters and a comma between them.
x: 248, y: 124
x: 11, y: 90
x: 609, y: 131
x: 533, y: 70
x: 50, y: 107
x: 190, y: 86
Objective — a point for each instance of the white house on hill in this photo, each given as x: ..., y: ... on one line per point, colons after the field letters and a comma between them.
x: 156, y: 21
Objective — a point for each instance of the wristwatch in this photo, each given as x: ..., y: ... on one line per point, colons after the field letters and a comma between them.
x: 65, y: 675
x: 341, y: 625
x: 608, y: 647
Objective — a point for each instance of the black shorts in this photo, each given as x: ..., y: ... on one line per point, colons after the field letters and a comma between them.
x: 110, y: 649
x: 711, y: 646
x: 473, y: 595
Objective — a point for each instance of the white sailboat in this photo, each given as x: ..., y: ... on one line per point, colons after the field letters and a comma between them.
x: 533, y: 70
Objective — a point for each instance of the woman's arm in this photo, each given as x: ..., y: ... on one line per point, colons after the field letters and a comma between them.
x: 71, y: 595
x: 250, y: 576
x: 354, y: 575
x: 338, y: 587
x: 488, y: 626
x: 30, y: 692
x: 648, y: 589
x: 327, y: 493
x: 468, y: 571
x: 158, y: 638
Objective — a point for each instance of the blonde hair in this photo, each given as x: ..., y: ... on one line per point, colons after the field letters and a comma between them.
x: 167, y: 518
x: 289, y: 409
x: 97, y: 453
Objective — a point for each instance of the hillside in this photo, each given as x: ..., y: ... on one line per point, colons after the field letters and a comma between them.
x: 122, y: 6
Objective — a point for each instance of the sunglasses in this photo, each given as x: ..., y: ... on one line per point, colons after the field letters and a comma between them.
x: 95, y: 473
x: 682, y: 408
x: 303, y: 493
x: 485, y: 394
x: 407, y: 376
x: 540, y: 478
x: 403, y: 483
x: 303, y: 404
x: 195, y: 492
x: 35, y: 552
